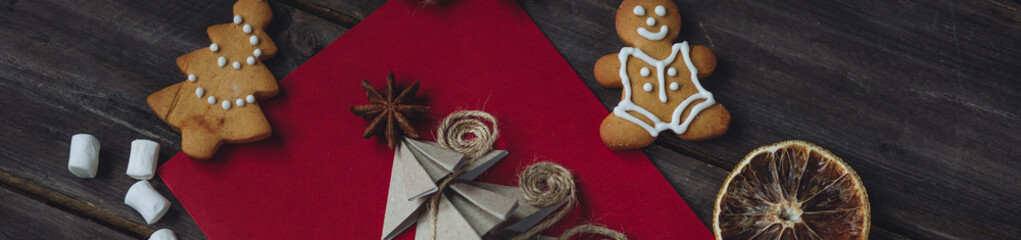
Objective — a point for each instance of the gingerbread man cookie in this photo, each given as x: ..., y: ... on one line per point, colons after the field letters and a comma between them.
x: 660, y: 80
x: 218, y: 101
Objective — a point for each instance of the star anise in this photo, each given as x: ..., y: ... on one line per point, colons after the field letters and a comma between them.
x: 389, y: 111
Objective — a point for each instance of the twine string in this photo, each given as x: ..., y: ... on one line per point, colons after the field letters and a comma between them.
x: 454, y: 130
x: 546, y: 184
x: 434, y: 200
x: 593, y: 229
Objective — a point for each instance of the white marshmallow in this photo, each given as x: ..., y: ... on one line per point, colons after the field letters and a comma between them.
x: 142, y: 162
x: 84, y: 158
x: 163, y: 234
x: 144, y: 199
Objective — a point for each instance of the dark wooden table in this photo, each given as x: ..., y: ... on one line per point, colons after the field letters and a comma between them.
x: 922, y: 98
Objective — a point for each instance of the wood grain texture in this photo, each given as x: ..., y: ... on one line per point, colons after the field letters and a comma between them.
x: 921, y: 98
x: 86, y: 67
x: 36, y: 220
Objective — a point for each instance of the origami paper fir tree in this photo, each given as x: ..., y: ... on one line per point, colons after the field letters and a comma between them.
x: 217, y: 103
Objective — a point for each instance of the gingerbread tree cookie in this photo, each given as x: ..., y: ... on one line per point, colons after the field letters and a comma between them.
x: 660, y: 80
x: 218, y: 102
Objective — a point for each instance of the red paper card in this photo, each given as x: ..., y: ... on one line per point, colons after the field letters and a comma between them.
x: 316, y: 178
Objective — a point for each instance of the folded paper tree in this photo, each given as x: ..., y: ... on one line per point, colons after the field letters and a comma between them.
x: 316, y: 178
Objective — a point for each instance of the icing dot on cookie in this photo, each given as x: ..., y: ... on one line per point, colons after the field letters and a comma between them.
x: 213, y: 47
x: 639, y: 10
x: 237, y: 19
x: 192, y: 78
x: 674, y: 86
x: 211, y: 100
x: 222, y: 61
x: 236, y: 65
x: 250, y: 60
x: 257, y: 52
x: 225, y: 105
x: 644, y: 72
x: 250, y: 99
x: 240, y: 102
x: 253, y: 40
x: 247, y: 28
x: 660, y: 10
x: 199, y: 92
x: 647, y: 87
x: 650, y: 21
x: 672, y: 72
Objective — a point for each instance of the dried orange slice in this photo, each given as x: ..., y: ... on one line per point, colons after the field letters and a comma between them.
x: 792, y: 190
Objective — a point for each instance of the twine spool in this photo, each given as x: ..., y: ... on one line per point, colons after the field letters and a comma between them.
x: 454, y: 130
x: 546, y: 184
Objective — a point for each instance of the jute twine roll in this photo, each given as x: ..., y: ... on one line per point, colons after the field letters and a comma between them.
x: 454, y: 129
x: 546, y: 184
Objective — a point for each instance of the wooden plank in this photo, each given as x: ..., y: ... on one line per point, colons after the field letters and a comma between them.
x: 919, y: 97
x: 69, y: 204
x: 357, y: 10
x: 25, y: 218
x: 71, y: 67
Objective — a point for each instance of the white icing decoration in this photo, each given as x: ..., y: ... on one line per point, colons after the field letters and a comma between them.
x: 213, y: 47
x: 257, y: 52
x: 672, y: 71
x: 250, y: 99
x: 247, y: 28
x: 211, y: 100
x: 236, y: 65
x: 237, y: 19
x: 639, y: 10
x: 192, y: 78
x: 674, y: 86
x: 199, y: 92
x: 225, y: 105
x: 650, y: 21
x: 654, y: 36
x: 675, y: 124
x: 660, y: 10
x: 250, y: 60
x: 647, y: 87
x: 644, y: 72
x: 222, y: 61
x: 240, y: 102
x: 254, y: 40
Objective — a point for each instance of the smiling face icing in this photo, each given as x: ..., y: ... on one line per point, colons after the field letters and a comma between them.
x: 643, y: 24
